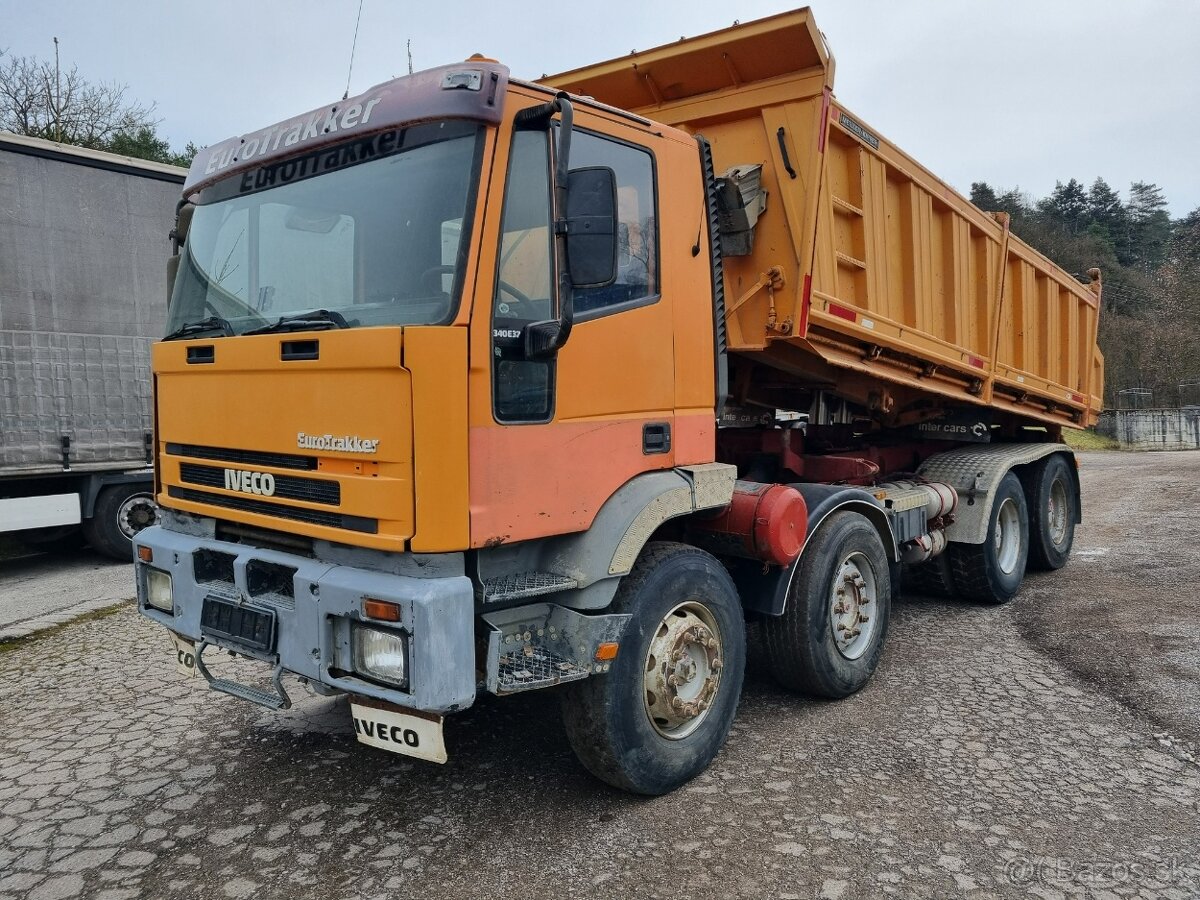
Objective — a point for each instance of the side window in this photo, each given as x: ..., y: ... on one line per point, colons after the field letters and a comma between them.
x: 523, y: 390
x: 637, y: 225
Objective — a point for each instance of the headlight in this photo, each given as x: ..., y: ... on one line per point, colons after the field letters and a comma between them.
x: 382, y: 655
x: 158, y: 590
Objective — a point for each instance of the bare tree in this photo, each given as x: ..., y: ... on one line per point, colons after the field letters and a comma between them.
x: 39, y: 100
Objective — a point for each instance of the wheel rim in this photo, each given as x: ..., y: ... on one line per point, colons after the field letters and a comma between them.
x: 682, y: 670
x: 137, y: 512
x: 1008, y: 536
x: 853, y: 606
x: 1056, y: 513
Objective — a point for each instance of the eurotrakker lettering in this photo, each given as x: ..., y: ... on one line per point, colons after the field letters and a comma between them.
x: 294, y: 131
x: 350, y: 443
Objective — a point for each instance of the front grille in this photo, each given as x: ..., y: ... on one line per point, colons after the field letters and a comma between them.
x: 313, y: 516
x: 212, y: 566
x: 289, y: 487
x: 244, y: 457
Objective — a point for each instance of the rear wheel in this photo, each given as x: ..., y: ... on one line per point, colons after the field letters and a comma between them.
x: 830, y: 637
x: 992, y: 572
x: 1053, y: 508
x: 121, y: 511
x: 657, y: 719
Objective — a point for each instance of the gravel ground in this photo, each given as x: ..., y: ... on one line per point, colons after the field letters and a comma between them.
x: 36, y: 585
x: 998, y: 752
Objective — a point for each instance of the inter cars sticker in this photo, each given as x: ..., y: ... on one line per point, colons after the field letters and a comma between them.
x: 858, y: 131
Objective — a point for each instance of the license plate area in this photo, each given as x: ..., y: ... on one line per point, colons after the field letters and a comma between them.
x: 226, y: 622
x: 404, y: 731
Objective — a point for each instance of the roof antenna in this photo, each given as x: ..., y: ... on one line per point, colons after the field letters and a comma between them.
x: 410, y: 56
x: 353, y: 47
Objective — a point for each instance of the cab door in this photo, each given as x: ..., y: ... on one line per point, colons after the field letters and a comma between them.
x: 551, y: 440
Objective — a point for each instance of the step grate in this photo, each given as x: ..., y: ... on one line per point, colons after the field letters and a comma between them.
x: 521, y: 585
x: 535, y: 667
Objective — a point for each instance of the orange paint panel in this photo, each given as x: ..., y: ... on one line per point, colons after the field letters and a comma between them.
x: 437, y: 358
x: 249, y: 399
x: 540, y: 480
x: 695, y: 438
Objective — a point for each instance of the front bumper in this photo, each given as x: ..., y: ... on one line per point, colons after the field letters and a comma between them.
x: 313, y: 625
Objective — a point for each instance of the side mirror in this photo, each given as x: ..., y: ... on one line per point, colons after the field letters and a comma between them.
x: 591, y: 219
x: 183, y: 221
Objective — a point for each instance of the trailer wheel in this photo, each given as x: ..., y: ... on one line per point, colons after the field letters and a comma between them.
x: 992, y: 572
x: 1053, y: 507
x: 657, y: 719
x: 121, y: 511
x: 830, y: 637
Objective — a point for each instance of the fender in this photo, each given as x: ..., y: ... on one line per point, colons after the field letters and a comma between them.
x: 976, y: 472
x: 596, y: 558
x: 91, y: 486
x: 767, y: 592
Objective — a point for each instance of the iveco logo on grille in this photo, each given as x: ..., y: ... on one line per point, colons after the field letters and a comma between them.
x: 250, y: 482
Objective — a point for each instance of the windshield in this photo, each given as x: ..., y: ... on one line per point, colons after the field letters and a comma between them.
x: 380, y: 242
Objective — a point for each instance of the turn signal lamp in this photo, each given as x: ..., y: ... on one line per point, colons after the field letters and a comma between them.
x: 606, y: 651
x: 382, y: 610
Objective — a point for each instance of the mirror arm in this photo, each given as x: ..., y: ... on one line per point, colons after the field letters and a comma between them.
x: 543, y: 339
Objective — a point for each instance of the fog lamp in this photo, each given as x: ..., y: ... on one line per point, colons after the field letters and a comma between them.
x: 158, y: 590
x: 380, y: 655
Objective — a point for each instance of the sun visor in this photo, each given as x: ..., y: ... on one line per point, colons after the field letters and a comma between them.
x: 469, y: 90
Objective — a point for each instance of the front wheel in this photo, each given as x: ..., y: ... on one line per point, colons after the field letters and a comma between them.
x: 657, y: 719
x: 830, y: 637
x: 121, y: 511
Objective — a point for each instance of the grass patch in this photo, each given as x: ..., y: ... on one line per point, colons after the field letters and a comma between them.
x: 1087, y: 439
x: 15, y: 643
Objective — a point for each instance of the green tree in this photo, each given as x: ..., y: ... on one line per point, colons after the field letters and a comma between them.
x: 1149, y: 225
x: 144, y: 143
x: 1067, y: 206
x: 983, y: 196
x: 1108, y: 218
x: 39, y: 99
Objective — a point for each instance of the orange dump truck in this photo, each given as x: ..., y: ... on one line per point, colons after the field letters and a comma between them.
x: 481, y: 385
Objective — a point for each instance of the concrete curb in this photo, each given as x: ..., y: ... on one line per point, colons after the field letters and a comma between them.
x: 50, y: 621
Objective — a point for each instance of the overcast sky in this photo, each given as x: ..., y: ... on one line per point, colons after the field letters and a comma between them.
x: 1013, y: 92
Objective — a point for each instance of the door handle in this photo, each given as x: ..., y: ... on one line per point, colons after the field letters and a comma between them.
x: 656, y: 438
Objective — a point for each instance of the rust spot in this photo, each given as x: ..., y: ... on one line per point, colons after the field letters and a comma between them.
x: 495, y: 541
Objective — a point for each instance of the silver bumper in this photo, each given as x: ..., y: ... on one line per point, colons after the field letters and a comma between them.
x: 313, y: 625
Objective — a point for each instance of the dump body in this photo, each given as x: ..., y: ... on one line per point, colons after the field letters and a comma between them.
x: 867, y: 272
x: 82, y: 286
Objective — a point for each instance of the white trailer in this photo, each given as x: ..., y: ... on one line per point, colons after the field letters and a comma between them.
x: 83, y: 235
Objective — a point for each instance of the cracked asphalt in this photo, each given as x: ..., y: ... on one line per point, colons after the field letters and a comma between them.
x: 1043, y: 748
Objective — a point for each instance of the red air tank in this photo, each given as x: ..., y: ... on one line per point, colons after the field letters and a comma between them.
x: 763, y: 521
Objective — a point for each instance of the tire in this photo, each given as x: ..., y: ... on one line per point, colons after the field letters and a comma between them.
x: 931, y: 578
x: 630, y: 736
x: 1053, y: 508
x: 992, y: 572
x: 121, y: 511
x: 814, y: 648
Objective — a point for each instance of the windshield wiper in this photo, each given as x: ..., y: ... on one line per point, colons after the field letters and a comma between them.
x: 306, y: 321
x: 212, y: 323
